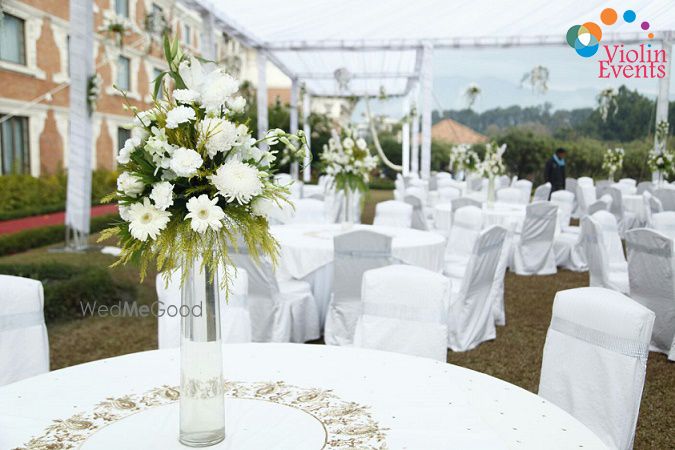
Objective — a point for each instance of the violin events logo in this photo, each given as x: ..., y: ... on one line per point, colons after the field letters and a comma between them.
x: 617, y: 61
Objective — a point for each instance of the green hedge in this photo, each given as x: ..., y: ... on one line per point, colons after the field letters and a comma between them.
x: 67, y: 287
x: 24, y: 195
x: 39, y: 237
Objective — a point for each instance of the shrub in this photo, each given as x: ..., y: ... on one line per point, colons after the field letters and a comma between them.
x: 66, y: 287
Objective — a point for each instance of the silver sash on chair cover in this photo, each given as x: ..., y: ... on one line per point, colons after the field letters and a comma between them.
x: 21, y: 320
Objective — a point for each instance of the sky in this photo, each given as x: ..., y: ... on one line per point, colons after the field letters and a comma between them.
x: 573, y: 81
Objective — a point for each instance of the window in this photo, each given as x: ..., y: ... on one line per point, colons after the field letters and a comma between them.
x: 123, y: 73
x: 122, y: 8
x: 155, y: 73
x: 157, y: 19
x: 14, y: 152
x: 122, y: 135
x: 12, y: 42
x: 187, y: 36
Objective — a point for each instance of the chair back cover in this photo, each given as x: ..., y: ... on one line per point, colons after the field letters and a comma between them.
x: 628, y: 182
x: 651, y: 272
x: 616, y: 207
x: 443, y: 175
x: 235, y: 319
x: 585, y: 181
x: 536, y: 238
x: 595, y: 360
x: 465, y: 201
x: 442, y: 182
x: 599, y: 205
x: 571, y: 185
x: 542, y: 193
x: 664, y: 223
x: 655, y: 204
x: 24, y: 345
x: 525, y: 187
x: 393, y: 213
x: 419, y: 219
x: 510, y: 195
x: 474, y: 183
x: 564, y: 200
x: 404, y: 310
x: 600, y: 187
x: 503, y: 181
x: 667, y: 198
x: 643, y: 186
x: 448, y: 193
x: 307, y: 211
x: 470, y: 318
x: 466, y: 226
x: 585, y: 197
x: 625, y: 188
x: 596, y: 253
x: 611, y: 239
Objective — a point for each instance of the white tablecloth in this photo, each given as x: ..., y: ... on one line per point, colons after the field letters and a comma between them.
x: 413, y: 403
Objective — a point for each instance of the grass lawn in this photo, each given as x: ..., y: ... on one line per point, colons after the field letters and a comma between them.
x: 515, y: 356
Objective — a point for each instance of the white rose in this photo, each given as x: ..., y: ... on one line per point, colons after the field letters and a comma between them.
x: 130, y: 184
x: 128, y: 148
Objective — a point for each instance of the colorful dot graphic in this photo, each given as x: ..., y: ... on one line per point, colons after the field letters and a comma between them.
x: 644, y: 26
x: 608, y: 16
x: 629, y: 16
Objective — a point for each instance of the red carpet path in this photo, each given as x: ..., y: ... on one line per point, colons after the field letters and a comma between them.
x: 45, y: 220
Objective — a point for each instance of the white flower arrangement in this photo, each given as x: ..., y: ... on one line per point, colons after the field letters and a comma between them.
x: 661, y: 162
x: 193, y: 182
x: 348, y: 161
x: 458, y: 155
x: 612, y: 162
x: 492, y: 164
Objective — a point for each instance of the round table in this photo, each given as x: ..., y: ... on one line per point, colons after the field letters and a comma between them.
x: 287, y: 397
x: 307, y: 253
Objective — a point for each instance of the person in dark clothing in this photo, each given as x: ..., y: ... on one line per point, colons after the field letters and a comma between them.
x: 554, y: 172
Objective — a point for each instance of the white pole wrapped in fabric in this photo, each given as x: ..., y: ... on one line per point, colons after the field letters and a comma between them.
x: 261, y: 97
x: 81, y: 53
x: 427, y: 86
x: 295, y: 93
x: 405, y: 136
x: 208, y: 36
x: 307, y: 169
x: 415, y: 135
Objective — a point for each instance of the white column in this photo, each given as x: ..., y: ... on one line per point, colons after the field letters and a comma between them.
x: 208, y: 36
x: 664, y: 87
x: 307, y: 169
x: 427, y: 87
x: 415, y: 138
x: 261, y: 96
x: 295, y: 93
x: 78, y: 204
x: 405, y: 136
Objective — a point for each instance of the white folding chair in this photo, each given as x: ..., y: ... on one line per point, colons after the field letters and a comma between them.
x: 585, y: 197
x: 404, y: 309
x: 466, y: 226
x: 393, y: 213
x: 533, y: 250
x: 664, y: 223
x: 510, y: 195
x: 24, y: 345
x: 651, y: 271
x: 471, y: 317
x: 595, y: 360
x: 525, y: 187
x: 599, y: 235
x: 281, y: 311
x: 235, y: 319
x: 542, y: 193
x: 355, y: 253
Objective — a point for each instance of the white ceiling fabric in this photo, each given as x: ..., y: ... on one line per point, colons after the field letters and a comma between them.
x: 313, y: 38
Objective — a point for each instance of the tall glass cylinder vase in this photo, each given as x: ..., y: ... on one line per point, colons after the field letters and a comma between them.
x: 348, y: 209
x: 491, y: 193
x: 202, y: 403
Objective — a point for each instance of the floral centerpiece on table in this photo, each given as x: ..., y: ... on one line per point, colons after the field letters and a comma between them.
x: 457, y: 155
x: 192, y: 180
x: 491, y: 167
x: 612, y: 162
x: 348, y: 161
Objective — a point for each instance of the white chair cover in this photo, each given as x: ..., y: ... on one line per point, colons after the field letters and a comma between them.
x: 667, y: 198
x: 466, y: 226
x: 443, y: 219
x: 355, y: 253
x: 510, y: 195
x: 307, y: 211
x: 643, y: 186
x: 404, y: 310
x: 651, y: 271
x: 418, y: 192
x: 628, y: 182
x: 281, y: 311
x: 564, y: 200
x: 393, y: 213
x: 525, y: 187
x: 503, y: 181
x: 664, y: 223
x: 235, y: 319
x: 533, y: 252
x: 465, y: 201
x: 443, y: 175
x: 448, y: 194
x: 585, y: 181
x: 497, y: 291
x: 625, y: 188
x: 419, y: 218
x: 625, y: 219
x: 24, y: 345
x: 595, y: 360
x: 542, y: 193
x: 567, y: 246
x: 442, y: 182
x: 471, y: 320
x: 399, y: 191
x: 598, y: 238
x: 585, y: 197
x: 598, y: 205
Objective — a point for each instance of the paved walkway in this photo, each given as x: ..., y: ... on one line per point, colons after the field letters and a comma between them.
x: 45, y: 220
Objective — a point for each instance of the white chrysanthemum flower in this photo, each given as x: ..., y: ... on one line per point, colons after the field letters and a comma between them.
x: 222, y: 135
x: 192, y: 74
x: 146, y: 221
x: 139, y: 133
x: 160, y: 150
x: 264, y: 207
x: 237, y: 104
x: 348, y: 143
x: 178, y: 115
x: 185, y: 96
x: 361, y: 144
x: 162, y: 195
x: 204, y: 214
x: 130, y: 184
x: 144, y: 118
x: 185, y: 162
x: 128, y: 148
x: 217, y: 88
x: 237, y: 181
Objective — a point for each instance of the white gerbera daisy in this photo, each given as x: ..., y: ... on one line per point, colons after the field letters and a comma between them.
x: 146, y: 221
x: 128, y: 148
x: 185, y: 96
x: 185, y: 162
x: 130, y: 184
x: 204, y: 213
x: 237, y: 181
x: 222, y: 135
x: 162, y: 195
x: 178, y: 115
